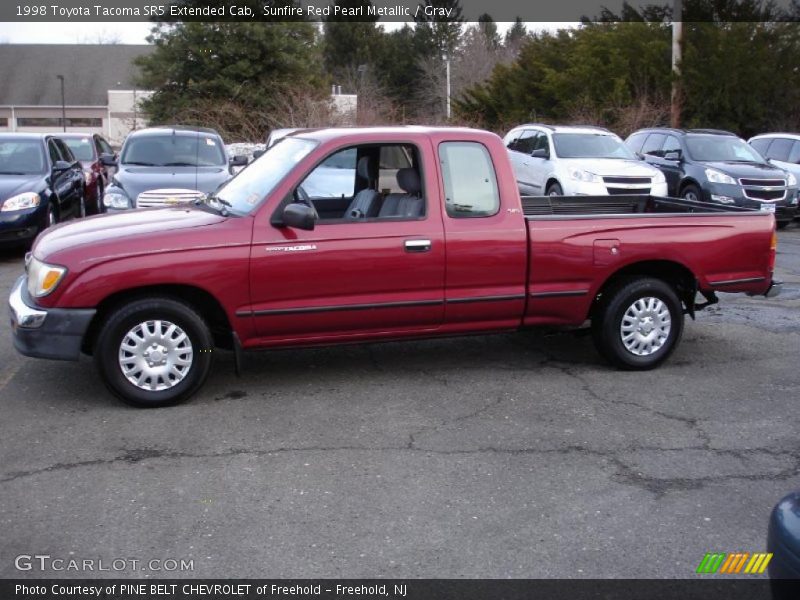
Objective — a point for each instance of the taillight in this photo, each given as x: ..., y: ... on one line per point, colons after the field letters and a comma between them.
x: 773, y: 250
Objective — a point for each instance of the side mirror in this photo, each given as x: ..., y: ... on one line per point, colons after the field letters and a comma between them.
x: 240, y: 160
x: 673, y: 155
x: 60, y: 166
x: 540, y: 153
x: 300, y: 216
x: 258, y: 154
x: 108, y: 160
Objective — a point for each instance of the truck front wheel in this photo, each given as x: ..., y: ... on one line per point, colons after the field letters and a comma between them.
x: 153, y: 352
x: 638, y: 323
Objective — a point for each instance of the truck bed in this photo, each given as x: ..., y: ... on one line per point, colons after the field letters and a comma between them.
x: 538, y: 207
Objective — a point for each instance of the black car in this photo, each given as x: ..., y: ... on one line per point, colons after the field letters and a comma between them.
x: 95, y: 155
x: 716, y: 166
x: 167, y: 165
x: 41, y: 183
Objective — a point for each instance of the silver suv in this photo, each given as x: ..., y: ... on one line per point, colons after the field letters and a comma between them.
x: 578, y: 161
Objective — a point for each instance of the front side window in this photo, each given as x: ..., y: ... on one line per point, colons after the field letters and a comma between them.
x: 780, y: 149
x: 653, y: 144
x: 65, y: 152
x: 174, y: 150
x: 334, y: 178
x: 366, y: 183
x: 470, y: 182
x: 55, y: 156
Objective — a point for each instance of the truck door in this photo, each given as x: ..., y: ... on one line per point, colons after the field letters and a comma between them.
x: 487, y: 248
x: 373, y: 268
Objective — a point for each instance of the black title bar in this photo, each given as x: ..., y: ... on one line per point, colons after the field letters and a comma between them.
x: 385, y: 10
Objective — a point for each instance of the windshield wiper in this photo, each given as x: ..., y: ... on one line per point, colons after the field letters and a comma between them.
x: 140, y: 164
x: 12, y: 173
x: 179, y: 164
x: 209, y: 198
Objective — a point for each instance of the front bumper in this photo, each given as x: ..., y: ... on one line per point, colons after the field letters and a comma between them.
x: 18, y: 227
x: 723, y: 193
x: 54, y: 333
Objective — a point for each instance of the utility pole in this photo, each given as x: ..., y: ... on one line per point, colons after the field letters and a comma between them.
x: 447, y: 67
x: 63, y: 104
x: 677, y: 53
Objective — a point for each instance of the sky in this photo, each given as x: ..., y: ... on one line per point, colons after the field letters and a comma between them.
x: 132, y: 33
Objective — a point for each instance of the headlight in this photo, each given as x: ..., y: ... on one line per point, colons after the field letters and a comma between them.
x: 586, y: 176
x: 791, y: 180
x: 21, y: 202
x: 715, y: 176
x: 659, y: 177
x: 43, y: 278
x: 114, y: 199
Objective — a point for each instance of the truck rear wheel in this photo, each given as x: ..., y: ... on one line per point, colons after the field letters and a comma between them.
x: 154, y: 352
x: 638, y: 324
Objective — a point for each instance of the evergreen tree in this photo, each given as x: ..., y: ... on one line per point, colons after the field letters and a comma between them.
x: 439, y: 35
x: 489, y: 29
x: 349, y: 42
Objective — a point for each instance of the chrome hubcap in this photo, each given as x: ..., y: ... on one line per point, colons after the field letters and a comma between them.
x: 155, y: 355
x: 645, y: 326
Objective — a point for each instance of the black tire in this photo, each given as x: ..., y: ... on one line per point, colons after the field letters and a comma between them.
x: 607, y: 323
x: 51, y: 216
x: 782, y: 224
x: 554, y: 189
x: 123, y: 320
x: 98, y: 190
x: 82, y: 205
x: 692, y: 192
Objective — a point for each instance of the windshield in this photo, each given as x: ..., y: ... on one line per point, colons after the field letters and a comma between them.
x: 81, y: 148
x: 246, y: 191
x: 21, y: 157
x: 590, y: 145
x: 720, y: 148
x: 174, y: 150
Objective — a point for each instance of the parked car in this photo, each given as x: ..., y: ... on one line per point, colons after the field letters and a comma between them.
x: 450, y: 248
x: 41, y: 183
x: 783, y: 540
x: 94, y: 154
x: 782, y: 150
x: 578, y: 161
x: 168, y: 165
x: 716, y: 166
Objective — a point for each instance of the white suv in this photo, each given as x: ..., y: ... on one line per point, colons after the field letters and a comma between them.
x: 578, y: 161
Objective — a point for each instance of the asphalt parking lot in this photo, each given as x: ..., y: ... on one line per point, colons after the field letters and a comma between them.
x: 503, y: 456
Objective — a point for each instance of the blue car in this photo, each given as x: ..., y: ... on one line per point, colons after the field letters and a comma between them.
x: 41, y: 183
x: 783, y: 538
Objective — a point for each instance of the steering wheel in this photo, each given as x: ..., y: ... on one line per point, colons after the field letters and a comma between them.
x: 302, y: 197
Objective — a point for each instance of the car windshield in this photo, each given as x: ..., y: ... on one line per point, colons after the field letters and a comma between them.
x: 21, y: 157
x: 251, y: 185
x: 174, y: 150
x: 720, y: 148
x: 81, y: 148
x: 590, y: 145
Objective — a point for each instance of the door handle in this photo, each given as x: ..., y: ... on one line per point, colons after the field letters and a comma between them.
x: 418, y: 245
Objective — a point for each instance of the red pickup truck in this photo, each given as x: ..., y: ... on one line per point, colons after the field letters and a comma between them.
x: 408, y: 232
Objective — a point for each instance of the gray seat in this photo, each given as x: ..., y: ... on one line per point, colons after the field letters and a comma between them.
x: 366, y: 202
x: 409, y: 205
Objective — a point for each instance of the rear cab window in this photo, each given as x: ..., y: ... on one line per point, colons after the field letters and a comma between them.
x: 470, y: 181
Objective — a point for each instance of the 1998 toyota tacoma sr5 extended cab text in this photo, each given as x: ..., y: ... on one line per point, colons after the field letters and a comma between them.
x: 432, y: 239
